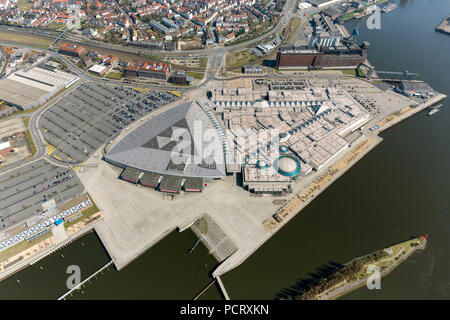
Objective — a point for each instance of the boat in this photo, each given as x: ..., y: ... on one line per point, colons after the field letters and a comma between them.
x: 389, y: 7
x: 435, y: 109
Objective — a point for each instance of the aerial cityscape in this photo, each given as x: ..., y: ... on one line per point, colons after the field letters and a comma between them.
x: 227, y: 149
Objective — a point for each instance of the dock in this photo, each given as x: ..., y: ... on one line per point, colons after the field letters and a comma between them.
x: 86, y: 280
x: 222, y: 288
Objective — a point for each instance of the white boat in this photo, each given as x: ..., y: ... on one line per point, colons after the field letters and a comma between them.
x: 389, y: 7
x: 435, y: 109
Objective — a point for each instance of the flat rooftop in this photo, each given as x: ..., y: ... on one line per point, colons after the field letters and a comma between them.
x: 156, y: 144
x: 193, y: 184
x: 150, y: 179
x: 170, y: 183
x: 130, y: 174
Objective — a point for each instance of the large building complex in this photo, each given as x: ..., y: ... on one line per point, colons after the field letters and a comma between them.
x: 321, y: 57
x: 157, y: 70
x: 72, y: 50
x: 29, y: 88
x: 307, y: 127
x: 270, y: 136
x: 184, y: 141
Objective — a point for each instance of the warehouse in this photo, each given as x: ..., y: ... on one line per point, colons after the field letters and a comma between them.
x: 26, y: 89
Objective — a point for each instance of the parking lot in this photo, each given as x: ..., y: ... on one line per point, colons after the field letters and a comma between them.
x: 93, y: 114
x: 24, y: 190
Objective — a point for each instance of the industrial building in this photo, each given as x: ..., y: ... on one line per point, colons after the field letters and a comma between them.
x: 411, y: 88
x: 321, y: 57
x: 310, y: 124
x: 157, y: 70
x: 262, y: 179
x: 159, y: 27
x: 29, y: 88
x: 322, y: 3
x: 72, y: 50
x: 181, y: 77
x: 98, y: 69
x: 251, y: 69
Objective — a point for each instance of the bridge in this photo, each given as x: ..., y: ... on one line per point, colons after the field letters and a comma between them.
x: 57, y: 39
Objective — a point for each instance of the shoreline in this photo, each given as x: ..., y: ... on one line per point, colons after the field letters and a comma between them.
x: 444, y: 26
x: 288, y: 211
x: 339, y: 291
x: 47, y: 246
x: 374, y: 140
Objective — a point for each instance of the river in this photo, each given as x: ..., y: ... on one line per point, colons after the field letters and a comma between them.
x: 400, y: 189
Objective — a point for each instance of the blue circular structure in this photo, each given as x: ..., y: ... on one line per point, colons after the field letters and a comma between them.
x: 262, y: 164
x: 284, y: 149
x: 287, y: 166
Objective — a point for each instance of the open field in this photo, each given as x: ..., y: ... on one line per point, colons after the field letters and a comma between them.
x: 30, y: 140
x: 20, y: 38
x: 290, y: 31
x: 236, y: 60
x: 259, y: 30
x: 114, y: 75
x: 25, y: 5
x: 24, y: 245
x: 197, y: 75
x: 203, y: 62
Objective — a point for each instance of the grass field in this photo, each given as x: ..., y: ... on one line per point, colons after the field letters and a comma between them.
x: 86, y: 213
x: 291, y: 29
x: 236, y: 60
x: 55, y: 27
x: 197, y: 75
x: 25, y: 5
x: 114, y: 75
x: 203, y: 62
x: 30, y: 141
x: 351, y: 72
x: 21, y: 246
x: 32, y: 40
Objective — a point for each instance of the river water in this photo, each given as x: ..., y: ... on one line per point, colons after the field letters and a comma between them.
x: 400, y: 189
